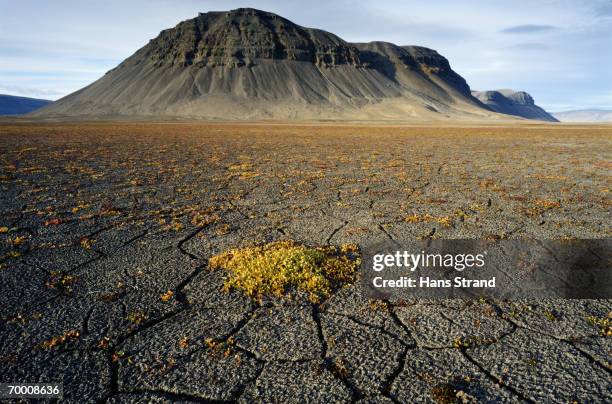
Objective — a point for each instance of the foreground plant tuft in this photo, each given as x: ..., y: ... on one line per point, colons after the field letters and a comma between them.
x: 278, y: 268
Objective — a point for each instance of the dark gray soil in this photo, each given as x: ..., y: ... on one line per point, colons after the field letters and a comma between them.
x: 103, y: 220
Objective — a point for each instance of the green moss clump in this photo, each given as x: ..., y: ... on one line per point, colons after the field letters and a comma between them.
x: 276, y: 268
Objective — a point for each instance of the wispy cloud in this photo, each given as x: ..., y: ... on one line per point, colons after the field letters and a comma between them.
x: 528, y: 29
x: 604, y: 10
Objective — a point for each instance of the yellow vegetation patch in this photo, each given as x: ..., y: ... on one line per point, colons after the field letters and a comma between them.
x: 203, y: 219
x: 461, y: 342
x: 86, y: 243
x: 604, y: 324
x: 445, y: 221
x: 275, y: 269
x: 243, y: 171
x: 240, y: 167
x: 246, y: 175
x: 79, y: 207
x: 104, y: 343
x: 183, y: 343
x: 11, y: 254
x: 66, y: 337
x: 61, y: 281
x: 19, y: 240
x: 339, y: 369
x: 175, y: 226
x: 223, y: 230
x: 137, y: 317
x: 220, y: 348
x: 547, y: 204
x: 165, y: 297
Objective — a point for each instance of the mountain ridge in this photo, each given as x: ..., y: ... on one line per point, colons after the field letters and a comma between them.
x: 249, y: 64
x: 584, y: 115
x: 510, y: 102
x: 16, y: 105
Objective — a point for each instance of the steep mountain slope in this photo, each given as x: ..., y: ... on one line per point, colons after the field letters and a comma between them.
x: 510, y: 102
x: 251, y: 64
x: 584, y: 115
x: 13, y: 105
x: 417, y: 70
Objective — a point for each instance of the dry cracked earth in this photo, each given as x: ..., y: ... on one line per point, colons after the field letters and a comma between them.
x: 106, y: 231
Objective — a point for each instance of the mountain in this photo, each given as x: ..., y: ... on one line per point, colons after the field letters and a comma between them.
x: 510, y: 102
x: 251, y: 64
x: 13, y: 105
x: 584, y: 115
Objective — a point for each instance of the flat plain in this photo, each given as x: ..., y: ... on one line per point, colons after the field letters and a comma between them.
x: 106, y: 230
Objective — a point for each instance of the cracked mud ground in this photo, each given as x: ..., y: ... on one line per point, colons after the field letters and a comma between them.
x: 106, y: 231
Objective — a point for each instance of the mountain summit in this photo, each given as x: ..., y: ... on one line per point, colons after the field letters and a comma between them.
x: 242, y: 37
x: 252, y: 64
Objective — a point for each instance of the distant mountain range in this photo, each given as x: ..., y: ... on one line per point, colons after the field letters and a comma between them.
x: 13, y: 105
x: 518, y: 103
x: 584, y: 115
x: 249, y: 64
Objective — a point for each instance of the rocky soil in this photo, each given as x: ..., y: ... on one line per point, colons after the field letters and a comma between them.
x: 106, y: 231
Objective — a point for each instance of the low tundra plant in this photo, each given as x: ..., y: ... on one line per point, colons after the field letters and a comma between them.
x: 278, y: 268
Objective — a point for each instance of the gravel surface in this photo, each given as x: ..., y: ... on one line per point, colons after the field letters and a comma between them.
x: 106, y: 230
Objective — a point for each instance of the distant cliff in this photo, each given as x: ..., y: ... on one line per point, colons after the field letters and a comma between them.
x: 510, y: 102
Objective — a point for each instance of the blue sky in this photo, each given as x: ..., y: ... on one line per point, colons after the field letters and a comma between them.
x: 560, y: 51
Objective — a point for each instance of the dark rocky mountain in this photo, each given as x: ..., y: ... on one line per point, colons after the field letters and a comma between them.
x: 241, y: 37
x: 13, y: 105
x: 517, y: 103
x: 251, y: 64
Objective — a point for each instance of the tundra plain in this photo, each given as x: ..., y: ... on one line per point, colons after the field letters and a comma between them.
x: 106, y: 231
